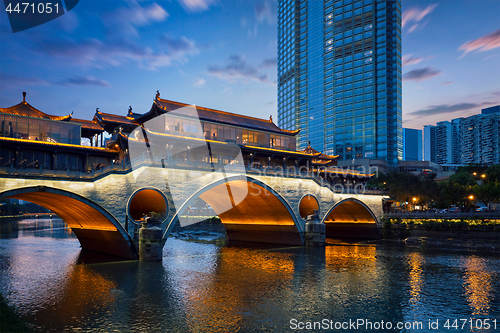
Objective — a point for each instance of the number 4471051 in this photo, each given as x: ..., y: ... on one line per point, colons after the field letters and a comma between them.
x: 39, y: 8
x: 471, y: 324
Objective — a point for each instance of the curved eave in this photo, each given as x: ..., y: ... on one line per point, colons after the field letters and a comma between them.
x: 25, y: 109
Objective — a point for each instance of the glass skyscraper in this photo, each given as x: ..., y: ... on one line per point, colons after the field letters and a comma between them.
x: 339, y: 76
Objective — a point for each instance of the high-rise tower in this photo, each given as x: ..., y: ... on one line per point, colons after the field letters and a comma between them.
x: 339, y: 76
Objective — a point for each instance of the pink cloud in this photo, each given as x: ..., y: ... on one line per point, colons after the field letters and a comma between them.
x: 485, y: 43
x: 409, y: 59
x: 416, y: 15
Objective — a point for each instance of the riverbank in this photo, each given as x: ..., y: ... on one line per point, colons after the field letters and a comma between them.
x: 470, y: 238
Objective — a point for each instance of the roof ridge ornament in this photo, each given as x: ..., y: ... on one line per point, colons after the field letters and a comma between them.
x: 24, y: 96
x: 157, y: 94
x: 271, y: 118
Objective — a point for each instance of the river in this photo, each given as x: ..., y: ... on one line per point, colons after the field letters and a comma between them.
x: 203, y: 285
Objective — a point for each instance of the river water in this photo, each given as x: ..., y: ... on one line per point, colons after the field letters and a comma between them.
x: 205, y: 286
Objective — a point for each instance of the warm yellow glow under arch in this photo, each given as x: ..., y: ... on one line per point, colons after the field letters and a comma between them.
x: 95, y: 227
x: 351, y: 218
x: 263, y: 216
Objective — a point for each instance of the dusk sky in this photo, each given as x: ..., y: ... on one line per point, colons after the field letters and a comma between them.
x: 222, y: 54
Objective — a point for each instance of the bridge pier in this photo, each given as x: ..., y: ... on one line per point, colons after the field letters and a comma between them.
x: 150, y: 243
x: 315, y: 231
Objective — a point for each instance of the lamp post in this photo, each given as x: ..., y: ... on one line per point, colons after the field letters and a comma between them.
x: 471, y: 198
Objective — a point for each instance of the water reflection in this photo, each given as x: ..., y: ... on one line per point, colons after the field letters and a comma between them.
x: 204, y: 287
x: 416, y: 279
x: 478, y: 285
x: 218, y: 297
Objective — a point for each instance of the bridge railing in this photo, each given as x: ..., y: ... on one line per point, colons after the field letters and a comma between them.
x: 126, y: 166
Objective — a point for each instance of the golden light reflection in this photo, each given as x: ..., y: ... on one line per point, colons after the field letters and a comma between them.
x: 340, y: 256
x: 216, y: 303
x: 478, y: 285
x: 82, y: 293
x: 416, y: 280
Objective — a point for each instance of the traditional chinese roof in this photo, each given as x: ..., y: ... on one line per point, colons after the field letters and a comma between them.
x: 119, y: 139
x: 319, y: 157
x: 110, y: 121
x: 161, y: 106
x: 89, y: 127
x: 27, y: 110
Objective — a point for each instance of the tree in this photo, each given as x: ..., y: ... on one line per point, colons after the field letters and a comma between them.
x: 492, y: 173
x: 487, y: 193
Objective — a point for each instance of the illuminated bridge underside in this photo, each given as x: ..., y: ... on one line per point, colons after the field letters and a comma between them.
x: 260, y: 217
x: 351, y: 219
x: 94, y: 227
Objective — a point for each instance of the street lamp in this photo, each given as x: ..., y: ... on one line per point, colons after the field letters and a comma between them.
x: 414, y: 202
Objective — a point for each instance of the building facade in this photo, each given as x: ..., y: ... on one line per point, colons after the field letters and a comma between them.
x: 470, y: 140
x: 412, y: 144
x: 479, y: 138
x: 339, y: 76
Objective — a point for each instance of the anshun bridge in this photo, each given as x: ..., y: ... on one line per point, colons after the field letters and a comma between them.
x: 247, y: 169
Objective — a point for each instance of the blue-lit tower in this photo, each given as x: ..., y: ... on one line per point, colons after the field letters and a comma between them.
x: 339, y: 76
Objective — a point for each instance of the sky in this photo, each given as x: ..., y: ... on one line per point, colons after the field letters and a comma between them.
x: 221, y: 54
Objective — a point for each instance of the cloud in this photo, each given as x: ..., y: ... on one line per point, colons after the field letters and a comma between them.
x: 421, y: 74
x: 263, y: 12
x: 197, y: 5
x: 8, y: 81
x: 179, y: 45
x: 409, y: 59
x: 415, y: 15
x: 84, y: 81
x: 96, y: 53
x: 446, y: 83
x: 485, y: 43
x: 269, y: 63
x: 238, y: 68
x: 444, y: 108
x: 199, y: 82
x: 127, y: 19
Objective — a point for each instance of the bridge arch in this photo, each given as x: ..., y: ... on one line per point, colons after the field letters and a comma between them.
x: 94, y: 226
x: 257, y: 213
x: 351, y: 218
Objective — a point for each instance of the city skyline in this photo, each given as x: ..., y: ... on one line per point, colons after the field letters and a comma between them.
x: 222, y: 54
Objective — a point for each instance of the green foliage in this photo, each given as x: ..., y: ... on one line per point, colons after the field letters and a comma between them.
x: 468, y: 180
x: 487, y: 193
x: 492, y: 173
x: 155, y: 217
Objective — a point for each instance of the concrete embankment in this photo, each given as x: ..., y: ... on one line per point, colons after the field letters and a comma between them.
x: 479, y: 238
